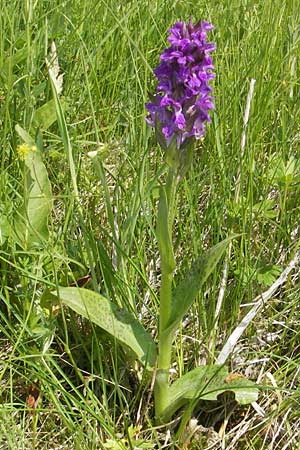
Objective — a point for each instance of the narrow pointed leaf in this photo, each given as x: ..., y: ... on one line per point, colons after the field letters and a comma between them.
x: 172, y: 155
x: 186, y: 291
x: 24, y: 135
x: 119, y: 323
x: 163, y: 234
x: 62, y: 125
x: 207, y: 383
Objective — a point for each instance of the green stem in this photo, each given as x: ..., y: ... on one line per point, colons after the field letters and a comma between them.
x: 171, y: 186
x: 165, y: 342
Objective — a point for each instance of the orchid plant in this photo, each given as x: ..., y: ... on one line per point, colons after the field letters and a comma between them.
x: 178, y: 112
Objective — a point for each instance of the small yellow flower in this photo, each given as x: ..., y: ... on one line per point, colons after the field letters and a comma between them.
x: 24, y: 149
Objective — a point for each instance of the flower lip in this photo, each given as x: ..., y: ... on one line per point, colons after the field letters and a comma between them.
x: 182, y: 100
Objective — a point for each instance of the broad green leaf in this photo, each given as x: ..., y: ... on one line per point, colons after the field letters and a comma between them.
x: 207, y: 383
x: 119, y: 323
x: 163, y: 234
x: 31, y: 221
x: 45, y: 116
x: 17, y: 58
x: 186, y: 291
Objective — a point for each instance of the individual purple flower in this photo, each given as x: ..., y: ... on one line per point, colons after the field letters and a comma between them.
x: 182, y: 101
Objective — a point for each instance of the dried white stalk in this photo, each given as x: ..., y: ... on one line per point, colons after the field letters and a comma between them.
x: 54, y: 69
x: 259, y: 302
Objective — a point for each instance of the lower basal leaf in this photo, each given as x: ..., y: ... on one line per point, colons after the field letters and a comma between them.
x: 119, y: 323
x: 207, y: 383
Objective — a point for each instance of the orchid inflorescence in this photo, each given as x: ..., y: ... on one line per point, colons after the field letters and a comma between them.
x: 181, y: 104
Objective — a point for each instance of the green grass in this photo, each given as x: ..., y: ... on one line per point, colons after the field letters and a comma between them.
x: 91, y: 391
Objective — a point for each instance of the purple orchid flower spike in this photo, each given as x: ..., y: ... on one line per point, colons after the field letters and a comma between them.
x: 180, y: 108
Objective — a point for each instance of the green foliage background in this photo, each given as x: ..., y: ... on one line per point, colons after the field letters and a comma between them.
x: 106, y: 51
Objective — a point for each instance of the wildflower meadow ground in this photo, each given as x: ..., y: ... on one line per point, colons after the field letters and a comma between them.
x: 149, y: 224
